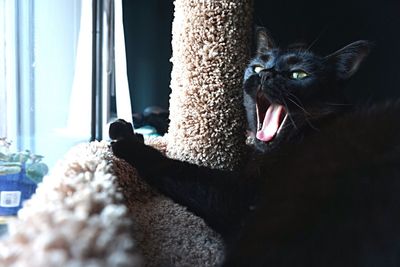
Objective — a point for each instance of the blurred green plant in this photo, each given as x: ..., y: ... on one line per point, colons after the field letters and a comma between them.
x: 12, y: 163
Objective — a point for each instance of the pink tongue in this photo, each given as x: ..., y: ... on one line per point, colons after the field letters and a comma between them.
x: 270, y: 124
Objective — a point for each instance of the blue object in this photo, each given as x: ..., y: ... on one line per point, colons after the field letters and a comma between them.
x: 14, y: 190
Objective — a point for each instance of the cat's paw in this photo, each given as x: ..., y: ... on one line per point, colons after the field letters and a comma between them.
x: 127, y: 144
x: 130, y: 146
x: 121, y: 129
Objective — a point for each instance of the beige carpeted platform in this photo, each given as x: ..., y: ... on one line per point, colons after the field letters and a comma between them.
x: 93, y: 210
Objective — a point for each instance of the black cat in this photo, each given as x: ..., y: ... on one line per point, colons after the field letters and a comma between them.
x: 322, y: 186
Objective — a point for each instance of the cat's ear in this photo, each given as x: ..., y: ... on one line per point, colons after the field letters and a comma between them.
x: 348, y: 59
x: 264, y: 41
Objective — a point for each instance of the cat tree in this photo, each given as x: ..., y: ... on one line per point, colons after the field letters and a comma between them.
x: 94, y: 210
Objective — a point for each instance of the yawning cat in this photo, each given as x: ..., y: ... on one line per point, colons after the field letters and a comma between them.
x: 322, y: 185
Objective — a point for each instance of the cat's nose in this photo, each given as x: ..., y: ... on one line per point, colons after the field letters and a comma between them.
x: 266, y: 74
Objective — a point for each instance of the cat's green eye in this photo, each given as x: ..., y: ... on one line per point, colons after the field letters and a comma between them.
x: 258, y: 68
x: 298, y: 75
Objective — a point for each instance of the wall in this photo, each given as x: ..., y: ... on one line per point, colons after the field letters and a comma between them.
x: 148, y: 40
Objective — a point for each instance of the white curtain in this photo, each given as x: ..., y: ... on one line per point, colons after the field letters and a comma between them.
x: 79, y: 119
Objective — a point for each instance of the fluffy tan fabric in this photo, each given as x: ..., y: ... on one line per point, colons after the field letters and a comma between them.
x: 75, y: 218
x: 168, y: 234
x: 210, y: 51
x: 78, y: 217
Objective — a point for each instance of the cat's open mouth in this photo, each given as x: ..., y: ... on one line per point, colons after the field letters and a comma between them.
x: 270, y: 118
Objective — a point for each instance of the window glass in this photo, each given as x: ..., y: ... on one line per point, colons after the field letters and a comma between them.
x: 38, y: 58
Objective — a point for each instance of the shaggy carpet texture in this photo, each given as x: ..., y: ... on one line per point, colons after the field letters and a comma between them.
x: 168, y: 235
x: 210, y: 44
x: 94, y: 210
x: 75, y: 218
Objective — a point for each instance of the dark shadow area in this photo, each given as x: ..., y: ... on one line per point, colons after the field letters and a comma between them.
x: 334, y: 24
x: 330, y: 24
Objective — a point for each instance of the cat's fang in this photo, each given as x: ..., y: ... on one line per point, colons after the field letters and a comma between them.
x: 262, y: 105
x: 282, y: 123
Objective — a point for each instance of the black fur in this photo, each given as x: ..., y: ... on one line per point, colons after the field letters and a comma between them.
x: 325, y: 191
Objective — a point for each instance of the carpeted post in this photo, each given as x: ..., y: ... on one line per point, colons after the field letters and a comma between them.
x: 210, y: 43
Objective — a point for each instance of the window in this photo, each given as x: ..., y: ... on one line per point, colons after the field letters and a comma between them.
x: 46, y: 71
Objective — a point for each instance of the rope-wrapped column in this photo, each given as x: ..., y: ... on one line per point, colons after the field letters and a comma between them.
x: 210, y: 43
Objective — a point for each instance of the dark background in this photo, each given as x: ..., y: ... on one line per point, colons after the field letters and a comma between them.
x: 331, y: 25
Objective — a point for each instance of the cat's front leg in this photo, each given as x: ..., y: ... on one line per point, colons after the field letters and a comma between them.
x: 130, y: 147
x: 219, y: 197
